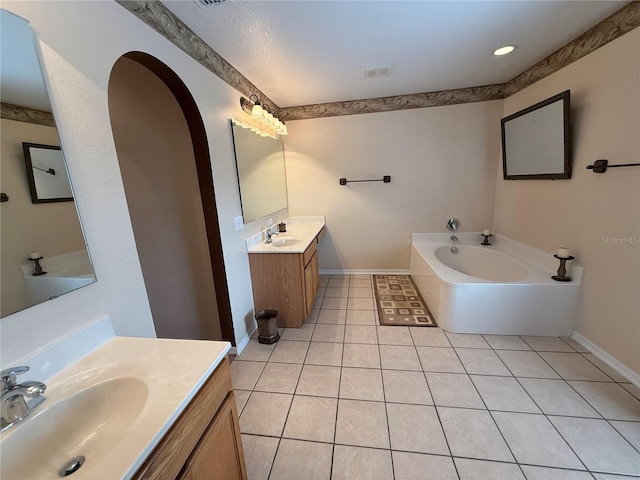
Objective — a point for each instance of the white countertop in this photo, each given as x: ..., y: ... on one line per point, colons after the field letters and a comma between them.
x: 169, y: 371
x: 304, y: 229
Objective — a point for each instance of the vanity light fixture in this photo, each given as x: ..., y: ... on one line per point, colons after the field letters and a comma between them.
x: 253, y: 128
x: 498, y: 52
x: 262, y: 115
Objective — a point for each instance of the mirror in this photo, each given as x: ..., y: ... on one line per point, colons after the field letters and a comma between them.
x: 261, y: 172
x: 536, y: 141
x: 47, y: 173
x: 39, y: 220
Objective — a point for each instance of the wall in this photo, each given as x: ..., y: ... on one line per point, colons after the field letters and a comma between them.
x: 79, y: 42
x: 155, y: 154
x: 596, y: 215
x: 49, y: 228
x: 441, y: 161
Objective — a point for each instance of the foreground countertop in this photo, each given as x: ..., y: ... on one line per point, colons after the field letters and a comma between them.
x: 173, y: 372
x: 302, y: 229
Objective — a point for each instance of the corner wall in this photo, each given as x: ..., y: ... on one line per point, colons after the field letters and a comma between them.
x: 441, y: 161
x: 596, y: 215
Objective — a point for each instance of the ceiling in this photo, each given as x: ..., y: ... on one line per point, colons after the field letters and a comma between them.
x: 21, y: 80
x: 306, y: 51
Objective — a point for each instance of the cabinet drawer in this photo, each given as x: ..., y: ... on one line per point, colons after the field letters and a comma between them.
x: 308, y: 253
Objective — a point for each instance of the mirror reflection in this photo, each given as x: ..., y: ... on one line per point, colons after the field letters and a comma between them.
x: 261, y: 172
x: 35, y: 236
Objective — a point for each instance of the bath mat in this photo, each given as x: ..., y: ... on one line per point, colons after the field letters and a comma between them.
x: 399, y: 302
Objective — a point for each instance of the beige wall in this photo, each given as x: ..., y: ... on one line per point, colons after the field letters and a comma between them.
x: 49, y: 228
x: 155, y: 153
x: 441, y: 161
x: 79, y: 43
x: 585, y: 211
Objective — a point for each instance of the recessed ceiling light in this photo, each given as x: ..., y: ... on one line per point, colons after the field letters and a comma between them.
x: 504, y: 50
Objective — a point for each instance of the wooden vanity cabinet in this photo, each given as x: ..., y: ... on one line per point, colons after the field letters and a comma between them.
x: 204, y: 442
x: 286, y: 282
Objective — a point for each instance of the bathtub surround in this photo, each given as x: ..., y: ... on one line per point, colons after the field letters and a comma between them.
x: 503, y: 289
x: 598, y: 216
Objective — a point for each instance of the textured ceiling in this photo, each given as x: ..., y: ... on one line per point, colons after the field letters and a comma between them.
x: 307, y: 52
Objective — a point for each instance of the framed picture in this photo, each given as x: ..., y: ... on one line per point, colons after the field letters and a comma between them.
x: 47, y: 173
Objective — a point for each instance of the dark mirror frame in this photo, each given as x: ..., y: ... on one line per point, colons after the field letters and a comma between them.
x: 564, y: 97
x: 26, y: 147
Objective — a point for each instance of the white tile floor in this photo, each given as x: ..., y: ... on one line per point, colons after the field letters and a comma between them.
x: 345, y: 398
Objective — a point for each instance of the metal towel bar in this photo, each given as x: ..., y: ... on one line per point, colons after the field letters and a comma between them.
x: 600, y: 166
x: 385, y: 179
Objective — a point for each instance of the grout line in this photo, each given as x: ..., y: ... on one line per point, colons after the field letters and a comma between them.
x: 347, y: 282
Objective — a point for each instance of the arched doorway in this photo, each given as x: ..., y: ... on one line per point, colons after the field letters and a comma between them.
x: 166, y: 171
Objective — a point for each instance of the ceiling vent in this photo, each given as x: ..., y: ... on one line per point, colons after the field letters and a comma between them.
x: 207, y: 3
x: 377, y: 72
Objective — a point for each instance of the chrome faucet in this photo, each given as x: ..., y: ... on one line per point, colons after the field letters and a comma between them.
x: 269, y: 234
x: 454, y: 239
x: 18, y: 399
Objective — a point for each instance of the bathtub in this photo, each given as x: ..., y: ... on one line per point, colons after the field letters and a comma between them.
x: 505, y: 288
x: 65, y: 273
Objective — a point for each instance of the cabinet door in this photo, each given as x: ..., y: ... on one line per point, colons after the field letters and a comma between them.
x: 311, y: 282
x: 219, y: 453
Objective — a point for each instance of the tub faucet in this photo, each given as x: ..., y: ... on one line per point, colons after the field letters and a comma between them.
x: 454, y: 239
x: 18, y: 400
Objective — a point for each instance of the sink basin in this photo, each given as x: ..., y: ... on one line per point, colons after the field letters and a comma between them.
x: 90, y: 423
x: 285, y: 242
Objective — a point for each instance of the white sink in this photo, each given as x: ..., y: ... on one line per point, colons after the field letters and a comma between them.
x: 89, y: 423
x: 285, y: 242
x: 112, y: 406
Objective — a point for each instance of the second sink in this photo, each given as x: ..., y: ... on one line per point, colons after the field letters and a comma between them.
x: 285, y: 242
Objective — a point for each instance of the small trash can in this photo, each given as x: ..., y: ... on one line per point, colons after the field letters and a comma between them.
x: 267, y: 326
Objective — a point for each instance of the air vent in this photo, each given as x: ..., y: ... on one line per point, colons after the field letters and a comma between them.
x: 377, y: 72
x: 207, y: 3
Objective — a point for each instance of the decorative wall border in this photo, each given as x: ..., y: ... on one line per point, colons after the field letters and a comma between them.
x: 27, y: 115
x: 397, y: 102
x: 167, y: 24
x: 160, y: 18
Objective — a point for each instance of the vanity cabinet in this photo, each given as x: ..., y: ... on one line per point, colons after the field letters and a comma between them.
x: 287, y: 282
x: 204, y: 442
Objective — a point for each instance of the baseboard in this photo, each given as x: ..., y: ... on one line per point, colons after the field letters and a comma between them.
x: 364, y: 272
x: 609, y: 359
x: 237, y: 350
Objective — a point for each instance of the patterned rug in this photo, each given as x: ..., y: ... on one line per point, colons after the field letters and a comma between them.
x: 399, y: 302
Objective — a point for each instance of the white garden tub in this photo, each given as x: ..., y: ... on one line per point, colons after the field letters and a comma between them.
x: 505, y: 288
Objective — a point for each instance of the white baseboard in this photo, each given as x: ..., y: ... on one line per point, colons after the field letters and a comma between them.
x: 237, y: 350
x: 609, y: 359
x: 364, y: 272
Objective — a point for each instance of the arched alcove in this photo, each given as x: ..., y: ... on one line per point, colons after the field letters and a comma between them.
x: 164, y: 159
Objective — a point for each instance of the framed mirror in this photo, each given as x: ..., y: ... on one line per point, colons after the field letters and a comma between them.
x: 261, y: 172
x: 47, y: 173
x: 536, y: 141
x: 39, y: 220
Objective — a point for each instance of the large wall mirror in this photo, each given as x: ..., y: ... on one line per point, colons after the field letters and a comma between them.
x: 261, y: 172
x: 42, y: 230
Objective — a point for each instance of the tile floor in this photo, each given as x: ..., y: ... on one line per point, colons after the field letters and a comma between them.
x: 345, y: 398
